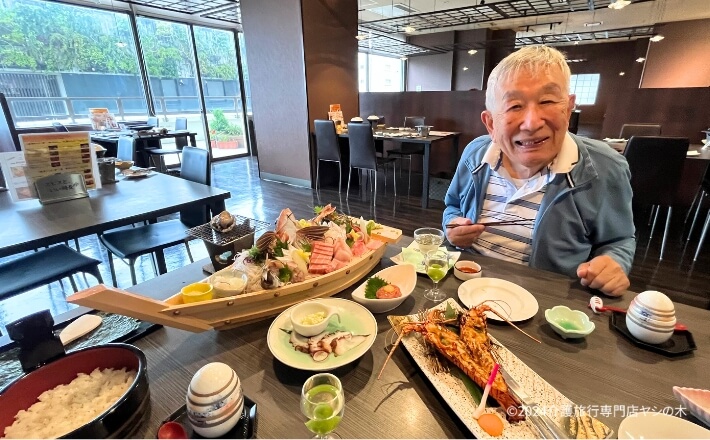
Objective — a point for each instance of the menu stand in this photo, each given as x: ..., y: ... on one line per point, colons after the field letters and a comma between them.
x: 61, y: 187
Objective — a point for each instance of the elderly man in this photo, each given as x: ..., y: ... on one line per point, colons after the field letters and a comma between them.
x: 568, y: 198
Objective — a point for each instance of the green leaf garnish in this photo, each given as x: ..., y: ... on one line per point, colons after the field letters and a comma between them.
x: 279, y: 247
x: 450, y: 312
x: 285, y: 274
x: 373, y: 285
x: 317, y: 209
x: 256, y: 255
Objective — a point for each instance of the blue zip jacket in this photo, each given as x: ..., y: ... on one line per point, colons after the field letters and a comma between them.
x: 584, y: 213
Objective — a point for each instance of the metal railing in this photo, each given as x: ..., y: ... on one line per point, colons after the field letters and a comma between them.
x: 76, y: 109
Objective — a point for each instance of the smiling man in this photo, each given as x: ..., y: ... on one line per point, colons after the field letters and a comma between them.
x: 567, y: 199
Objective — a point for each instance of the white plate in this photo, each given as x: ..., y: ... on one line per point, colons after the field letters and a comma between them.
x: 511, y: 300
x: 659, y: 425
x: 397, y: 259
x: 136, y: 173
x: 693, y: 153
x: 455, y: 394
x: 354, y: 318
x: 402, y: 276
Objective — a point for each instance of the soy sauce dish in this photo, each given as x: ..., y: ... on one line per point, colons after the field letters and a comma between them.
x: 119, y: 420
x: 568, y: 323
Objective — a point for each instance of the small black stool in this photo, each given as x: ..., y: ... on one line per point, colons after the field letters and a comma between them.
x: 44, y: 267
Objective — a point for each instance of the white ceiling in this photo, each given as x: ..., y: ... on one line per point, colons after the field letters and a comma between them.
x: 640, y: 14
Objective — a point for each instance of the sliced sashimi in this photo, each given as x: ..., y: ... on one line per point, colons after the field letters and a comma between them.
x: 359, y: 248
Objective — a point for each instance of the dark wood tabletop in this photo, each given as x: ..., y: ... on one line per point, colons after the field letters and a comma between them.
x: 604, y: 369
x: 427, y: 142
x: 29, y: 225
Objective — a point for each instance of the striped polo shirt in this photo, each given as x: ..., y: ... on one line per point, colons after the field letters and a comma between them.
x: 508, y: 198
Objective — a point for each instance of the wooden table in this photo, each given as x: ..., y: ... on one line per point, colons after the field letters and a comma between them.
x: 29, y: 225
x: 427, y: 143
x: 603, y: 369
x: 109, y: 140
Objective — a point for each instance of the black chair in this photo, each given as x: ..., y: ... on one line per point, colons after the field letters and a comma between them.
x: 59, y: 127
x: 160, y: 153
x: 628, y: 130
x: 129, y: 244
x: 656, y: 164
x: 408, y: 149
x: 364, y: 157
x: 700, y: 195
x: 44, y: 267
x: 327, y: 148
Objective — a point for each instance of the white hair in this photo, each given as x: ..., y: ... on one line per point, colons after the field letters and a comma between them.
x: 531, y: 59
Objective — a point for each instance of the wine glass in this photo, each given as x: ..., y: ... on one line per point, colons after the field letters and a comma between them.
x: 428, y: 239
x: 436, y: 264
x: 323, y: 402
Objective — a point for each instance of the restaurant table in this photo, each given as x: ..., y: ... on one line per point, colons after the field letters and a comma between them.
x: 604, y: 369
x: 109, y: 140
x: 427, y: 142
x: 28, y: 225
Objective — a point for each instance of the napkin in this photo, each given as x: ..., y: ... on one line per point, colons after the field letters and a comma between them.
x: 415, y: 257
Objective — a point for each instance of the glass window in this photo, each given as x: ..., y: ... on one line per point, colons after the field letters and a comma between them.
x: 379, y: 74
x: 585, y: 86
x: 59, y: 60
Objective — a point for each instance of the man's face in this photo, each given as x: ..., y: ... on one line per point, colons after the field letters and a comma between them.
x: 529, y: 120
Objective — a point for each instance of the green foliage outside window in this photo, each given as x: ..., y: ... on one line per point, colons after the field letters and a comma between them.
x: 223, y: 130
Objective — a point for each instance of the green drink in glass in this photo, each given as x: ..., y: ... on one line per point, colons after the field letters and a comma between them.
x: 323, y: 403
x: 437, y: 265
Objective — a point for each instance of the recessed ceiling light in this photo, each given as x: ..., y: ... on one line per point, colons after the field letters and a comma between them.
x: 622, y: 73
x: 409, y: 29
x: 121, y: 44
x: 640, y: 59
x: 657, y: 38
x: 576, y: 43
x: 619, y: 4
x: 472, y: 51
x: 403, y: 58
x: 465, y: 68
x: 593, y: 23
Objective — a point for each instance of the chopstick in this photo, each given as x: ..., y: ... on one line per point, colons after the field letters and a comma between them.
x: 500, y: 223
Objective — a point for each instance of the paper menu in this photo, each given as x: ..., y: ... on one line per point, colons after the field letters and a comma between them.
x: 13, y: 168
x: 51, y: 153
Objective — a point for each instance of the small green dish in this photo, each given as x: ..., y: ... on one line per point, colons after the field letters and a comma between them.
x: 568, y: 323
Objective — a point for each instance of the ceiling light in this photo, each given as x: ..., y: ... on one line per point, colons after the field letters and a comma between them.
x: 472, y: 51
x: 640, y: 59
x: 657, y: 38
x: 121, y: 44
x: 403, y: 58
x: 465, y: 68
x: 593, y: 23
x: 618, y: 4
x: 622, y: 73
x: 409, y: 29
x: 361, y: 37
x: 576, y: 43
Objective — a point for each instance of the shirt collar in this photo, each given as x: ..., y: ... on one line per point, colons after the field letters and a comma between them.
x: 563, y: 163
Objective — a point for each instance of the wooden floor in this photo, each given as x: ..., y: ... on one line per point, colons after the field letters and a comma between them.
x: 263, y: 200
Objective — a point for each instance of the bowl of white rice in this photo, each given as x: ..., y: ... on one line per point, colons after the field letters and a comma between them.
x: 96, y: 392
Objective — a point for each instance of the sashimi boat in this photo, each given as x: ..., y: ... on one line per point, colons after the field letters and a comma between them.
x: 300, y: 260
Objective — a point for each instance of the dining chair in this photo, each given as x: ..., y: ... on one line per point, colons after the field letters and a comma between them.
x: 43, y: 267
x: 628, y: 130
x: 409, y: 149
x: 327, y: 148
x: 364, y: 157
x: 129, y: 244
x: 59, y: 127
x: 700, y: 195
x: 157, y: 155
x: 152, y: 121
x: 656, y: 164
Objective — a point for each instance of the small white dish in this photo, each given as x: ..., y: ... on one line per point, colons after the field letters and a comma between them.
x: 650, y: 425
x: 308, y: 310
x: 692, y: 153
x: 403, y: 276
x: 506, y: 298
x: 568, y: 323
x: 467, y: 270
x: 696, y: 400
x: 413, y: 249
x: 136, y: 173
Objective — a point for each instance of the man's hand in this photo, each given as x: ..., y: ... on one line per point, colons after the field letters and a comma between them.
x: 463, y: 236
x: 605, y: 274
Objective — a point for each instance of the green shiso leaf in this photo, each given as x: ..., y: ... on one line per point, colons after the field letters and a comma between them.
x: 373, y: 285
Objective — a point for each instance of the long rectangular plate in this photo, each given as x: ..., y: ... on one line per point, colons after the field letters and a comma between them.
x: 453, y: 391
